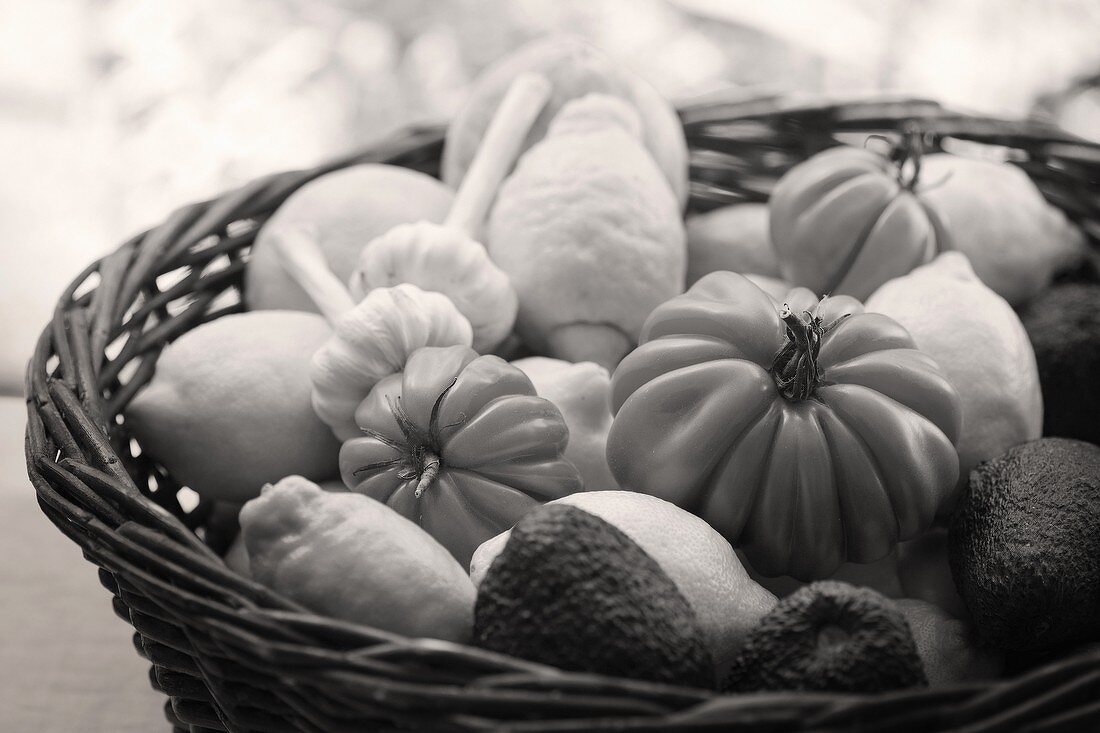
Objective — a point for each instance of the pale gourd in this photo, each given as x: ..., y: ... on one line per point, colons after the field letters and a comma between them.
x: 574, y: 68
x: 582, y: 391
x: 447, y: 258
x: 373, y: 338
x: 446, y: 261
x: 590, y: 234
x: 345, y: 209
x: 372, y: 341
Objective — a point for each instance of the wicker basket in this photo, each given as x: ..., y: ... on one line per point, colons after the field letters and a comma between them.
x: 232, y: 655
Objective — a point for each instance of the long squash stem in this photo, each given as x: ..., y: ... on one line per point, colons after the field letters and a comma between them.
x: 303, y: 260
x: 499, y: 148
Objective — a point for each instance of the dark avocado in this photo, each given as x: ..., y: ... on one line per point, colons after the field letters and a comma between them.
x: 829, y: 637
x: 1064, y: 327
x: 572, y: 591
x: 1024, y: 546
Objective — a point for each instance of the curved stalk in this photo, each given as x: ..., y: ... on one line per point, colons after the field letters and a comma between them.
x: 795, y: 367
x: 303, y: 260
x: 524, y: 101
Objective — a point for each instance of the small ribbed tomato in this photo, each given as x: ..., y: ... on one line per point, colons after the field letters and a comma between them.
x: 460, y: 444
x: 849, y: 219
x: 808, y: 434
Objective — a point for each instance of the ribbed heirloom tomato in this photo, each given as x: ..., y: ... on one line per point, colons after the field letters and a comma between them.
x: 809, y: 433
x: 460, y: 444
x: 847, y: 220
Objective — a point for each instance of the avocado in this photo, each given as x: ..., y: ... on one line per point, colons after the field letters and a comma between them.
x: 829, y: 637
x: 1024, y: 546
x: 1064, y: 327
x: 573, y: 591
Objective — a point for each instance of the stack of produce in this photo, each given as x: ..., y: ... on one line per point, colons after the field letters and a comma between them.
x: 786, y: 446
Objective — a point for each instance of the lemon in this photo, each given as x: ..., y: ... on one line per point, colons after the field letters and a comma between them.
x: 726, y: 601
x: 979, y: 342
x: 994, y: 214
x: 236, y: 556
x: 947, y: 646
x: 734, y: 238
x: 348, y: 556
x: 343, y: 210
x: 880, y: 575
x: 228, y: 409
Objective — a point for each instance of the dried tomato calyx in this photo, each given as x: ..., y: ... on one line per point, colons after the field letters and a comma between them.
x: 795, y: 368
x: 907, y: 155
x: 421, y: 452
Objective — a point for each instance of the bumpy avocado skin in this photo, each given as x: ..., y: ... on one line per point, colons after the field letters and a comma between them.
x: 572, y: 591
x: 1024, y: 546
x: 1064, y: 327
x: 829, y: 637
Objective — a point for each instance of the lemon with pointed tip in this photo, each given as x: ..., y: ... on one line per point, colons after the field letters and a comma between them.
x: 982, y: 347
x: 228, y: 409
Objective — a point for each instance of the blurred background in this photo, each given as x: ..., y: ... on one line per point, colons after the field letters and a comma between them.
x: 114, y: 112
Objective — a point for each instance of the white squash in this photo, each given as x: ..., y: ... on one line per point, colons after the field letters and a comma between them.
x: 374, y: 336
x: 372, y: 341
x: 447, y: 258
x: 444, y: 260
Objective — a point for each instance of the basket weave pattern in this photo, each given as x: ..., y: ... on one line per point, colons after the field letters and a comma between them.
x: 234, y: 656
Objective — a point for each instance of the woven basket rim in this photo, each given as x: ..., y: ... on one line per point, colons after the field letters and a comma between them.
x: 163, y: 577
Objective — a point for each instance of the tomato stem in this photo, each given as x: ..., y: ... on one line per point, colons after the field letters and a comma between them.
x: 428, y: 473
x: 421, y: 451
x: 907, y: 154
x: 795, y: 366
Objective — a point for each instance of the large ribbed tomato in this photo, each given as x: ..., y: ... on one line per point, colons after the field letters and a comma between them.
x: 808, y: 435
x: 461, y: 444
x: 848, y: 219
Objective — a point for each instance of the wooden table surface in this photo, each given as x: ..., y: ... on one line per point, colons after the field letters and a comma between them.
x: 68, y: 661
